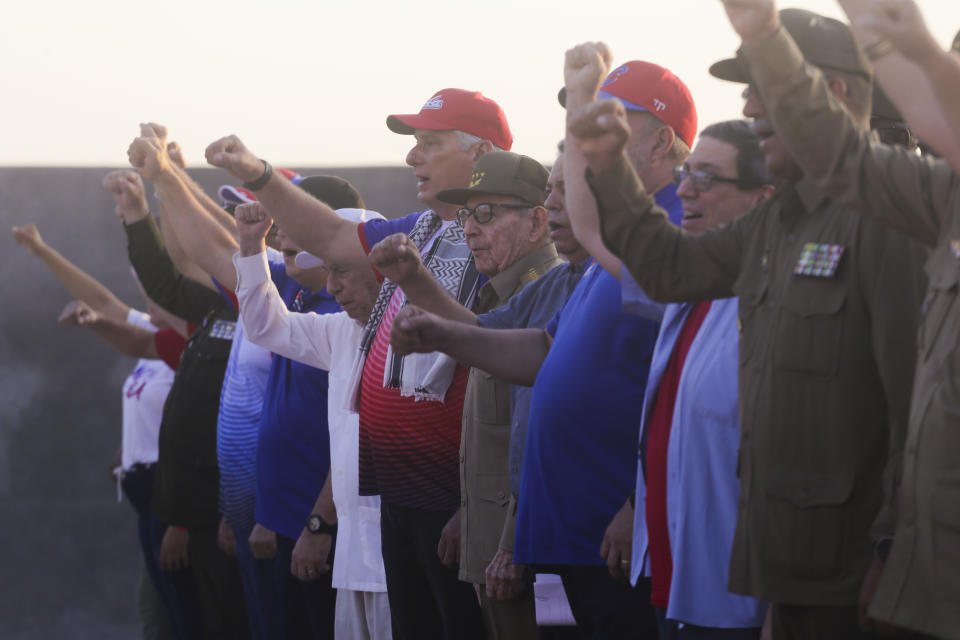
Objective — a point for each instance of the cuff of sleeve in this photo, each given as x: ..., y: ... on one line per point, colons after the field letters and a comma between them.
x: 508, y: 534
x: 145, y: 227
x: 252, y: 270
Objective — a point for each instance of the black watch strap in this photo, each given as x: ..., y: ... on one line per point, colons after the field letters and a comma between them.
x: 317, y: 525
x: 262, y: 181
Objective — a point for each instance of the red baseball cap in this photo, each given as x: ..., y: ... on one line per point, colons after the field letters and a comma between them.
x: 457, y: 109
x: 644, y: 86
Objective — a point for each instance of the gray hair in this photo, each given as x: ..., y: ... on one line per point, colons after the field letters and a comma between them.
x: 468, y: 140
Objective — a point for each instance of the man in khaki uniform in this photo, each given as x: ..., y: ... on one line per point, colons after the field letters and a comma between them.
x: 920, y: 196
x: 828, y: 300
x: 505, y: 225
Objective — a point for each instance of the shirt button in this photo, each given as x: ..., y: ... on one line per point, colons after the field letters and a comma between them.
x: 502, y: 494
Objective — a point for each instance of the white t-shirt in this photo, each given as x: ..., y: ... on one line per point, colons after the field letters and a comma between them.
x: 144, y: 393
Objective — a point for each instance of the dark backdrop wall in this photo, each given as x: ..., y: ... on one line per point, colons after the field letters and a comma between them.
x: 68, y: 553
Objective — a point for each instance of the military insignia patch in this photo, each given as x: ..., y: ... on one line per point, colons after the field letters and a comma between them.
x: 819, y: 260
x: 476, y: 178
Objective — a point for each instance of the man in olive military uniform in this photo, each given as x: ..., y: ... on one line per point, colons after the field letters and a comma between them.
x: 505, y: 225
x: 920, y: 585
x: 828, y: 300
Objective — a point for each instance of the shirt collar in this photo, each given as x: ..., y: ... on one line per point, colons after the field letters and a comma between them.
x: 506, y: 282
x: 810, y: 196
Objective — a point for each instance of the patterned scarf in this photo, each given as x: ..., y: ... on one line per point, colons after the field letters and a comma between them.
x: 451, y: 263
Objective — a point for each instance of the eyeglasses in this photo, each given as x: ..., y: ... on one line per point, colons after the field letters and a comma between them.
x: 702, y: 181
x: 483, y: 212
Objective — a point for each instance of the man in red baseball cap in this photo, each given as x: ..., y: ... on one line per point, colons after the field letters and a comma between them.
x: 663, y: 122
x: 410, y: 406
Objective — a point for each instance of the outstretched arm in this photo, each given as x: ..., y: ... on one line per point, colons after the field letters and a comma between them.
x: 126, y: 338
x: 266, y: 320
x: 921, y: 78
x: 585, y: 68
x: 78, y: 282
x: 204, y: 240
x: 310, y: 223
x: 515, y: 355
x: 398, y: 258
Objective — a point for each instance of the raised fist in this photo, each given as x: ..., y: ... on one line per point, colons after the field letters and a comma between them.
x: 752, y: 19
x: 253, y: 223
x: 417, y: 331
x: 175, y: 153
x: 901, y: 23
x: 77, y: 314
x: 600, y: 131
x: 127, y: 189
x: 148, y: 154
x: 230, y: 153
x: 28, y: 237
x: 585, y: 68
x: 396, y: 257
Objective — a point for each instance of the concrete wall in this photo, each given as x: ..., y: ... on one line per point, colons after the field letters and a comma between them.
x: 68, y: 553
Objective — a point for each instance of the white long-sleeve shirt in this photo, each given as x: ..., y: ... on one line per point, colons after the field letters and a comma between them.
x: 331, y: 342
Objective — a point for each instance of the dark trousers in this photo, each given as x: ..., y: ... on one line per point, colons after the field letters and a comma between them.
x: 427, y: 601
x: 176, y: 589
x: 796, y: 622
x: 307, y: 608
x: 259, y: 594
x: 603, y: 607
x: 218, y: 582
x: 671, y: 630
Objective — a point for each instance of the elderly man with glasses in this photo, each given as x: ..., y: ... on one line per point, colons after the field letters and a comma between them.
x: 505, y: 225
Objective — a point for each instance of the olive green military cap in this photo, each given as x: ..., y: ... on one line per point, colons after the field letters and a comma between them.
x: 503, y: 173
x: 825, y: 43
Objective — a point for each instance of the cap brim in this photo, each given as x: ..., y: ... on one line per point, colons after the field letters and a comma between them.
x: 730, y: 70
x: 306, y: 260
x: 407, y: 124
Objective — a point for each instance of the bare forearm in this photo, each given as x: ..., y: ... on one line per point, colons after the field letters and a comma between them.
x: 126, y: 338
x: 515, y: 355
x: 424, y: 291
x: 311, y: 224
x: 204, y: 240
x: 324, y: 504
x: 214, y: 210
x: 921, y: 97
x: 581, y: 206
x: 82, y: 285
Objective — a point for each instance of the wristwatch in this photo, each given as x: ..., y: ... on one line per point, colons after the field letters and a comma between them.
x: 316, y: 524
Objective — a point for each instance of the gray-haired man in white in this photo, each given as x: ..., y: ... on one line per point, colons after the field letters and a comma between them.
x: 330, y: 342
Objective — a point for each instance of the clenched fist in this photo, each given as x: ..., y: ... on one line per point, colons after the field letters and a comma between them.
x: 396, y: 257
x: 600, y: 131
x: 127, y: 189
x: 253, y: 223
x: 230, y: 153
x: 584, y: 69
x: 28, y: 237
x: 77, y: 314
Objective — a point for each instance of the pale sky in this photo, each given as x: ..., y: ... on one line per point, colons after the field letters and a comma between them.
x: 310, y: 84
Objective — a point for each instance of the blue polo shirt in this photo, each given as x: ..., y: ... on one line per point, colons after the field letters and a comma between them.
x: 580, y: 461
x: 293, y: 450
